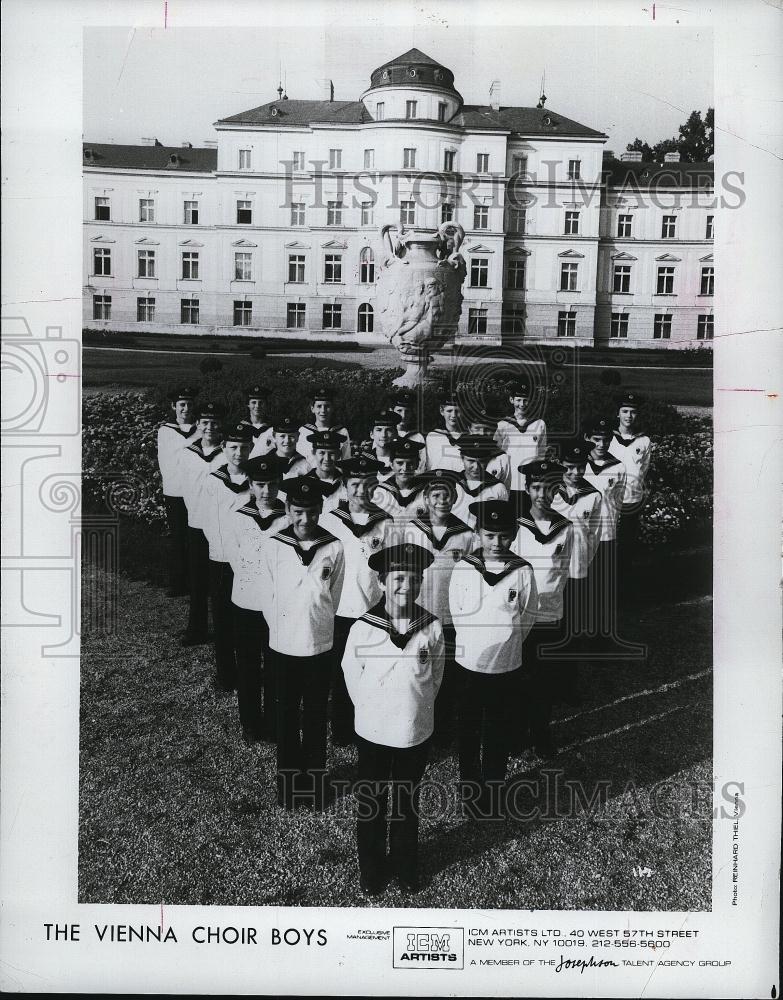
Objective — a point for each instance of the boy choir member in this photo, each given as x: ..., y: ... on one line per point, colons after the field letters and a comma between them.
x: 522, y: 436
x: 406, y: 404
x: 442, y: 442
x: 174, y: 436
x: 256, y: 420
x: 285, y: 434
x: 322, y: 410
x: 401, y: 494
x: 476, y: 482
x: 634, y: 449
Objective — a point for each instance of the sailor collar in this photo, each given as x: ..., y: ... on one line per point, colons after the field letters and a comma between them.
x: 445, y: 433
x: 376, y: 515
x: 173, y: 426
x: 583, y: 489
x: 520, y: 427
x: 558, y: 524
x: 264, y: 521
x: 485, y: 482
x: 197, y: 449
x: 330, y: 487
x: 256, y: 431
x: 512, y: 563
x: 379, y: 618
x: 290, y: 459
x: 408, y: 434
x: 453, y: 527
x: 626, y: 442
x: 598, y: 469
x: 223, y: 475
x: 333, y: 428
x: 404, y: 501
x: 305, y: 556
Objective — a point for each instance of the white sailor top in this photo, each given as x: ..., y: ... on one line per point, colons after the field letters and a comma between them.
x: 549, y: 553
x: 393, y: 679
x: 293, y: 465
x: 401, y: 505
x: 335, y: 490
x: 172, y: 439
x: 250, y: 531
x: 371, y: 452
x: 609, y: 479
x: 522, y: 443
x: 361, y: 589
x: 583, y: 510
x: 222, y: 495
x: 195, y: 466
x: 471, y: 491
x: 263, y: 438
x: 634, y: 453
x: 300, y: 591
x: 492, y: 611
x: 443, y: 450
x: 418, y: 437
x: 305, y: 448
x: 456, y: 540
x: 499, y: 466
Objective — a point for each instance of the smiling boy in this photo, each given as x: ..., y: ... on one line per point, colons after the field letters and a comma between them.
x: 443, y: 442
x: 522, y: 435
x: 322, y: 410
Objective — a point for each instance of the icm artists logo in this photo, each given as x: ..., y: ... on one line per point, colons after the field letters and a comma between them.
x: 428, y: 947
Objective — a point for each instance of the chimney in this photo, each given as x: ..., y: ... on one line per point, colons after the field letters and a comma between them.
x: 187, y: 145
x: 210, y: 143
x: 633, y: 156
x: 148, y: 141
x: 671, y: 158
x: 494, y: 95
x: 331, y: 90
x: 609, y: 154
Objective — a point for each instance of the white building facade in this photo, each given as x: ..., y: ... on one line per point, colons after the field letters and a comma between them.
x: 275, y: 231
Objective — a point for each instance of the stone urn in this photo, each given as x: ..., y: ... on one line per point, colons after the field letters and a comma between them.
x: 419, y: 294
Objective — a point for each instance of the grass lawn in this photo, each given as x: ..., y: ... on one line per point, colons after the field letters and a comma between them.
x: 175, y: 809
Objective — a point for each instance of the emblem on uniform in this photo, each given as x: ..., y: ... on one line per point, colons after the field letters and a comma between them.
x: 585, y: 514
x: 512, y: 596
x: 638, y: 451
x: 535, y: 437
x: 375, y: 543
x: 421, y: 511
x: 558, y: 549
x: 456, y: 554
x: 422, y: 654
x: 611, y: 481
x: 326, y: 571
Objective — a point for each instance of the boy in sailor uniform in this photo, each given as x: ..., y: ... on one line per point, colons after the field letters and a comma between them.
x: 322, y: 409
x: 498, y: 465
x: 383, y: 432
x: 401, y: 495
x: 393, y: 665
x: 302, y: 568
x: 225, y: 490
x: 285, y: 434
x: 545, y: 539
x: 250, y: 527
x: 448, y: 539
x: 196, y: 461
x: 443, y: 442
x: 406, y: 404
x: 327, y: 448
x: 476, y: 483
x: 634, y: 449
x: 256, y: 420
x: 523, y: 435
x: 173, y: 436
x: 493, y: 600
x: 362, y: 528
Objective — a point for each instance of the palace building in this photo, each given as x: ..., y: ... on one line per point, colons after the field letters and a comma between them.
x: 273, y: 230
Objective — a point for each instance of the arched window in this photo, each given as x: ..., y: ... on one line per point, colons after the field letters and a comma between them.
x: 366, y: 267
x: 366, y: 318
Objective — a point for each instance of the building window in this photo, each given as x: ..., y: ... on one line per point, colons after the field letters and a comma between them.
x: 705, y: 327
x: 244, y: 159
x: 662, y: 326
x: 622, y: 278
x: 335, y: 159
x: 367, y: 213
x: 566, y: 324
x: 515, y: 273
x: 146, y: 263
x: 482, y: 163
x: 295, y: 316
x: 190, y: 265
x: 408, y: 159
x: 517, y: 220
x: 145, y: 310
x: 298, y: 158
x: 665, y: 283
x: 442, y: 108
x: 243, y: 313
x: 572, y: 223
x: 574, y: 170
x: 480, y: 217
x: 102, y: 210
x: 707, y: 281
x: 188, y: 311
x: 334, y: 213
x: 380, y: 111
x: 514, y: 321
x: 668, y: 227
x: 244, y: 213
x: 710, y: 230
x: 296, y: 268
x: 569, y: 274
x: 101, y: 261
x: 446, y: 212
x: 333, y: 268
x: 332, y: 317
x: 408, y: 213
x: 624, y: 225
x: 366, y: 318
x: 448, y: 160
x: 479, y: 272
x: 410, y: 109
x: 243, y: 266
x: 297, y: 213
x: 369, y: 159
x: 519, y: 164
x: 190, y: 214
x: 101, y: 307
x: 619, y: 329
x: 477, y: 322
x: 366, y: 267
x: 146, y: 209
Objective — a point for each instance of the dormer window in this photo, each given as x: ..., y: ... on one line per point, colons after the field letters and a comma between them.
x: 547, y: 120
x: 173, y: 160
x: 385, y: 75
x: 88, y: 154
x: 273, y: 112
x: 412, y: 72
x: 438, y: 75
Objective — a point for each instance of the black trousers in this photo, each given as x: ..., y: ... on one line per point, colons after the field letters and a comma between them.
x: 628, y: 548
x: 198, y: 583
x: 485, y: 718
x: 446, y: 700
x: 538, y: 680
x: 379, y: 768
x: 256, y: 698
x: 221, y: 579
x: 342, y: 706
x: 177, y: 520
x: 302, y: 684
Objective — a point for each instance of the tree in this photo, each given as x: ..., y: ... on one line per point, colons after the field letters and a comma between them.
x: 695, y: 143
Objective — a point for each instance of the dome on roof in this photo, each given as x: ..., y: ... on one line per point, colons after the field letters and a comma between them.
x: 412, y: 67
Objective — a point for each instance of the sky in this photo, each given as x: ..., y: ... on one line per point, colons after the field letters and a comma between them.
x: 174, y: 84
